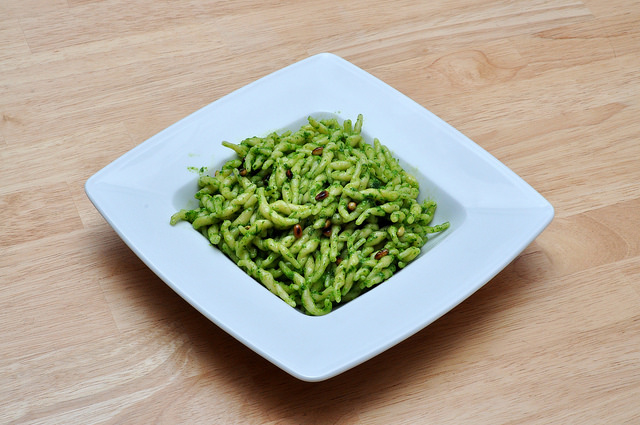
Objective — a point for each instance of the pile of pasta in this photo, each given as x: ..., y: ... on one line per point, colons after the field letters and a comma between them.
x: 318, y: 216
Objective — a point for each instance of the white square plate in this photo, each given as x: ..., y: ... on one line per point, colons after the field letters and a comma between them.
x: 494, y: 215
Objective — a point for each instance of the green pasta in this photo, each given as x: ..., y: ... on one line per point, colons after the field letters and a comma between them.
x: 318, y: 216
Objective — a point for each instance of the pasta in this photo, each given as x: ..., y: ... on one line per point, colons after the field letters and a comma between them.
x: 318, y: 216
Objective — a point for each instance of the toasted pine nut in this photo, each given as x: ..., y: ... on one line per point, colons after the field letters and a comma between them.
x: 320, y: 196
x: 381, y: 253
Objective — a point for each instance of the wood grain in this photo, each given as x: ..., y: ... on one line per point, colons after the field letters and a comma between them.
x: 552, y: 89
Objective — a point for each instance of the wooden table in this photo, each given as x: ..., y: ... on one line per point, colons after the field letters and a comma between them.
x: 88, y: 334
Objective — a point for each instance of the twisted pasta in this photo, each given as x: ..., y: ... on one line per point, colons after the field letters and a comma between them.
x: 318, y: 216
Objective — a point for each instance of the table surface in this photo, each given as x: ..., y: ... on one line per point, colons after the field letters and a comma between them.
x: 550, y: 88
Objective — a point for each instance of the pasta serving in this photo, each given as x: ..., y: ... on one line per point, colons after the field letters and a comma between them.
x: 318, y: 216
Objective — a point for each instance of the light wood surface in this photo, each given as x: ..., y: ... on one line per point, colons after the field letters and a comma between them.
x: 88, y: 334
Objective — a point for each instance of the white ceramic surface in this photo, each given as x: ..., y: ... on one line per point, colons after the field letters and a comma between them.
x: 494, y: 215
